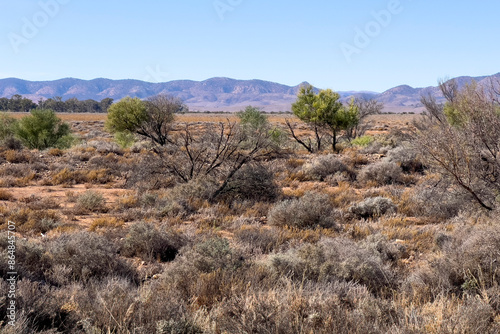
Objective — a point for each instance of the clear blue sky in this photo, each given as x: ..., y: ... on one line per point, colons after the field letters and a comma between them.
x: 283, y: 41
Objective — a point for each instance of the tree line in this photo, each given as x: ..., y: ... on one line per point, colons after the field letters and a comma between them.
x: 17, y: 103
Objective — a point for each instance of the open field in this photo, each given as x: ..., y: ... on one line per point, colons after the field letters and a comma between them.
x: 109, y: 240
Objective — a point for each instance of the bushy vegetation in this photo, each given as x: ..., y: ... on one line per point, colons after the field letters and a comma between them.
x: 42, y: 130
x: 309, y: 211
x: 230, y: 228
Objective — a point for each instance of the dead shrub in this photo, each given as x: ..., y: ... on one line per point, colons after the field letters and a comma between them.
x: 67, y: 176
x: 41, y: 308
x: 29, y: 259
x: 311, y: 210
x: 12, y: 143
x: 5, y: 195
x: 16, y: 157
x: 55, y: 152
x: 105, y: 224
x: 99, y: 176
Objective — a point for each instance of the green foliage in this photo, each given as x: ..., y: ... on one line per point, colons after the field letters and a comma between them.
x: 362, y: 141
x: 252, y: 118
x: 453, y: 115
x: 43, y: 129
x: 126, y: 115
x: 324, y: 110
x: 255, y: 125
x: 150, y: 119
x: 7, y: 125
x: 125, y: 139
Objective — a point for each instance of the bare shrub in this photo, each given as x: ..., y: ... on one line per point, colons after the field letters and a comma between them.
x: 373, y: 207
x: 149, y: 243
x: 309, y: 211
x: 18, y: 170
x: 12, y: 143
x: 5, y: 195
x: 461, y: 139
x: 382, y: 173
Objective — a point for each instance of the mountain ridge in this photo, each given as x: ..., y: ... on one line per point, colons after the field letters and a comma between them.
x: 214, y: 94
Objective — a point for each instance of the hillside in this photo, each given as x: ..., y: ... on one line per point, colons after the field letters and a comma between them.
x: 214, y: 94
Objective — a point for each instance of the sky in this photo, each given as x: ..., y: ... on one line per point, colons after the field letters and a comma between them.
x: 370, y: 45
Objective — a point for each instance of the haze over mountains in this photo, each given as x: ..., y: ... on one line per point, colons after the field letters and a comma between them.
x: 216, y: 94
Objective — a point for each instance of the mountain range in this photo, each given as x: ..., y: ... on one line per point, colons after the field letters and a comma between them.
x: 215, y: 94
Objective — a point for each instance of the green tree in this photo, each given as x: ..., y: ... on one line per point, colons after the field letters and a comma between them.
x: 151, y: 118
x: 323, y: 111
x: 43, y: 129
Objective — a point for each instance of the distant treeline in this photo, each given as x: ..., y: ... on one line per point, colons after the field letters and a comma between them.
x: 17, y: 103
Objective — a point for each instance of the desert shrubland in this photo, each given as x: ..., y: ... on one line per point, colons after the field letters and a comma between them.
x: 229, y: 228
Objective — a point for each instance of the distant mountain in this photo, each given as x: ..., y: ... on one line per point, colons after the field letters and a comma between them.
x: 214, y: 94
x: 406, y: 98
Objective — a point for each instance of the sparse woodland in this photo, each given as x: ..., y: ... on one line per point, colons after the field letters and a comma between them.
x: 148, y: 224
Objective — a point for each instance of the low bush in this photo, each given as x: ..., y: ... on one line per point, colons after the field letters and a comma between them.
x: 362, y: 141
x: 105, y: 223
x: 43, y: 129
x: 382, y: 173
x: 146, y: 241
x: 251, y: 183
x: 213, y: 254
x: 86, y: 255
x: 35, y: 221
x: 309, y: 211
x: 373, y: 207
x: 406, y: 158
x: 67, y: 176
x: 332, y: 260
x: 323, y: 166
x: 259, y: 239
x: 90, y: 201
